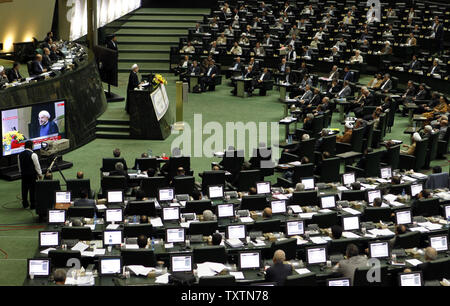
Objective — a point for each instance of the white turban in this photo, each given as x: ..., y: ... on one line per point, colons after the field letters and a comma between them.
x: 134, y: 66
x: 348, y: 125
x: 1, y: 69
x: 428, y: 128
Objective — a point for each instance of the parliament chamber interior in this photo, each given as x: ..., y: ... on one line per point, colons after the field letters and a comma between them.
x: 225, y: 143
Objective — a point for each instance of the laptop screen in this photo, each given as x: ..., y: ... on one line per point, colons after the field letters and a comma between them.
x: 328, y: 202
x: 350, y: 223
x: 112, y: 237
x: 225, y: 210
x: 416, y: 189
x: 181, y: 263
x: 236, y: 231
x: 308, y: 183
x: 263, y: 188
x: 316, y: 255
x: 56, y: 216
x: 175, y: 235
x: 115, y: 197
x: 379, y: 249
x: 348, y: 178
x: 166, y: 194
x: 171, y: 213
x: 62, y: 197
x: 215, y: 192
x: 114, y: 215
x: 110, y: 266
x: 278, y: 207
x: 49, y: 239
x: 249, y: 260
x: 403, y: 217
x: 372, y: 195
x: 39, y: 267
x: 386, y: 172
x: 295, y: 228
x: 410, y: 279
x: 439, y: 243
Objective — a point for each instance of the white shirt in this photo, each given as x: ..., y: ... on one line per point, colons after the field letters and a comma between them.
x: 35, y: 160
x: 262, y: 77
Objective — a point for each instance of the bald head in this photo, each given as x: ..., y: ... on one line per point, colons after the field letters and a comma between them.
x: 279, y: 256
x: 267, y: 213
x: 430, y: 254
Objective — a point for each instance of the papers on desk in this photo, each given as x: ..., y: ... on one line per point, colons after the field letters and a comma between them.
x: 414, y: 262
x: 430, y: 226
x: 88, y: 253
x: 87, y: 280
x: 258, y: 243
x: 368, y: 186
x: 419, y: 175
x: 301, y: 241
x: 47, y: 250
x: 397, y: 204
x: 140, y: 270
x: 351, y: 211
x: 246, y: 220
x: 237, y: 275
x: 101, y: 207
x: 185, y: 224
x: 168, y: 245
x: 307, y: 215
x: 99, y: 251
x: 280, y: 196
x: 209, y: 268
x: 80, y: 246
x: 381, y: 232
x: 302, y: 271
x: 419, y: 229
x: 341, y: 188
x: 295, y: 163
x: 288, y: 120
x: 162, y: 279
x: 318, y: 240
x: 381, y: 180
x: 156, y: 222
x: 325, y: 211
x: 296, y: 209
x: 350, y: 235
x: 234, y: 243
x: 112, y: 226
x: 175, y: 204
x: 443, y: 195
x: 408, y: 179
x: 390, y: 197
x: 131, y: 246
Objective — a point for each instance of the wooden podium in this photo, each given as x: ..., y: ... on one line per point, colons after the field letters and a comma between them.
x: 150, y: 114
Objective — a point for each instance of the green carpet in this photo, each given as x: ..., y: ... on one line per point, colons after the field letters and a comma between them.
x: 220, y: 106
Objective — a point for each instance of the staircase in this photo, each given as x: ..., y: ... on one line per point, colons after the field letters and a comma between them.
x: 112, y: 129
x: 145, y: 36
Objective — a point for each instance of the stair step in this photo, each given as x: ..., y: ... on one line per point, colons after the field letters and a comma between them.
x: 149, y: 31
x: 156, y: 40
x: 112, y: 128
x: 112, y: 135
x: 154, y: 25
x: 163, y: 18
x: 113, y: 122
x: 143, y: 56
x: 145, y: 67
x: 143, y: 48
x: 171, y: 11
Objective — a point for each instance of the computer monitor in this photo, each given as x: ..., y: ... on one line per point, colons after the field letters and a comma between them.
x: 447, y: 211
x: 379, y: 249
x: 411, y: 279
x: 171, y: 213
x: 294, y: 228
x: 237, y: 231
x: 63, y: 197
x: 263, y: 188
x: 308, y: 182
x: 278, y: 207
x: 113, y: 237
x: 49, y: 239
x: 338, y: 282
x: 110, y: 265
x: 439, y: 243
x: 372, y: 195
x: 115, y: 196
x: 350, y: 223
x: 38, y: 267
x: 348, y: 178
x: 181, y: 263
x: 114, y: 215
x: 316, y: 255
x: 249, y: 260
x: 225, y: 210
x: 175, y: 235
x: 386, y: 172
x: 165, y: 194
x: 416, y: 189
x: 328, y: 202
x: 215, y: 192
x: 56, y: 216
x: 403, y: 216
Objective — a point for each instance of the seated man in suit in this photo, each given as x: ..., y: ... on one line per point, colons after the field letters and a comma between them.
x: 209, y: 78
x: 56, y: 54
x: 347, y: 137
x: 46, y: 61
x: 37, y: 66
x: 348, y: 75
x: 345, y: 91
x: 14, y: 73
x: 386, y: 86
x: 333, y: 89
x: 84, y: 201
x: 279, y: 271
x: 183, y: 66
x: 3, y: 77
x: 353, y: 261
x: 414, y: 64
x: 259, y: 82
x: 193, y: 70
x: 248, y: 74
x: 116, y: 154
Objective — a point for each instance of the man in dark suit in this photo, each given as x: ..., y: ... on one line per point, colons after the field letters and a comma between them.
x: 47, y: 127
x: 133, y: 82
x: 248, y: 74
x: 37, y: 67
x: 14, y: 74
x: 30, y: 170
x: 414, y: 64
x: 84, y: 201
x: 111, y: 43
x: 55, y: 54
x: 46, y: 61
x: 260, y: 81
x: 193, y: 70
x: 291, y: 77
x: 439, y: 35
x: 279, y: 271
x: 348, y: 75
x: 209, y: 77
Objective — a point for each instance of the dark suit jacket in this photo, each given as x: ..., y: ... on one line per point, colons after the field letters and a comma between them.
x: 35, y: 68
x: 193, y: 69
x: 278, y: 273
x: 348, y: 76
x: 292, y: 78
x: 46, y: 61
x: 111, y: 45
x: 13, y: 75
x: 133, y: 81
x: 214, y: 70
x: 414, y: 65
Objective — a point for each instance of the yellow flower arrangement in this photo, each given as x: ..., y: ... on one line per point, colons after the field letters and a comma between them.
x: 11, y: 137
x: 159, y: 79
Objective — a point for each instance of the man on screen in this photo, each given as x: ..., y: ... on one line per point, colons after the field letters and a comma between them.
x: 47, y: 127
